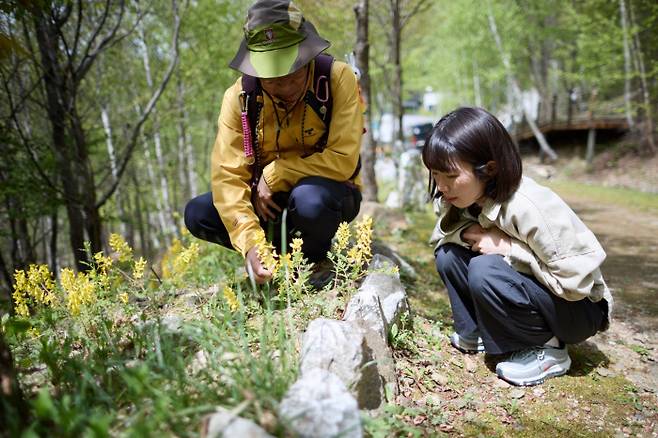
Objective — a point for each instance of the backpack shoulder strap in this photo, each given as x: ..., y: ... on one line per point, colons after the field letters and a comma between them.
x: 319, y: 98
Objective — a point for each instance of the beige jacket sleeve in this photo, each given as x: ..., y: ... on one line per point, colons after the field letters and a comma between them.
x: 553, y: 244
x: 339, y: 158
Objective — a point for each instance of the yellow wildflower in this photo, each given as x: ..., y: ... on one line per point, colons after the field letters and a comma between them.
x: 80, y: 289
x: 364, y: 237
x: 121, y: 247
x: 354, y: 255
x: 35, y: 286
x: 266, y: 252
x: 103, y: 263
x: 138, y: 269
x: 231, y: 299
x: 342, y: 237
x: 296, y: 245
x: 186, y: 257
x: 124, y: 298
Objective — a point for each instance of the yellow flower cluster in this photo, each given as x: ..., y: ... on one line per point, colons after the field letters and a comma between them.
x: 120, y: 247
x: 35, y: 285
x: 186, y: 257
x: 361, y: 252
x: 343, y: 235
x: 296, y: 245
x: 80, y: 289
x: 124, y: 297
x: 231, y: 299
x: 138, y: 269
x: 266, y: 253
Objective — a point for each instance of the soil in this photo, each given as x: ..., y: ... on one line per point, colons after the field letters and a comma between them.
x: 630, y: 238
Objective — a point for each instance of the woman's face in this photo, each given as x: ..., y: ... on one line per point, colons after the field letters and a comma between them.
x: 461, y: 187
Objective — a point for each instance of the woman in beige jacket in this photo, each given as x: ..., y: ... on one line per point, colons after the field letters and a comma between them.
x: 521, y: 269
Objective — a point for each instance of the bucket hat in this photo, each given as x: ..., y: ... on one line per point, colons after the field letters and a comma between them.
x: 277, y: 40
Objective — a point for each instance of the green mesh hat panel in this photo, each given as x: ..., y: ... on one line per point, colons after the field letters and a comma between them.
x: 278, y: 40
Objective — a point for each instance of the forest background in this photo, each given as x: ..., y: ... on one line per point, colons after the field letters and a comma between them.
x: 109, y: 109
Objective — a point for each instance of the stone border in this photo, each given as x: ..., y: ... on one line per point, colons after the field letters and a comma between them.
x: 345, y: 365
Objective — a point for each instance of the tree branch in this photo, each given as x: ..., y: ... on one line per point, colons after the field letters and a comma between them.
x: 147, y: 110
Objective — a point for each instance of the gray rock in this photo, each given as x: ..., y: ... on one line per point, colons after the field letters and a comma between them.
x: 412, y: 180
x: 319, y: 405
x: 172, y: 323
x: 392, y: 296
x: 365, y: 309
x: 384, y: 258
x: 225, y: 424
x: 341, y: 348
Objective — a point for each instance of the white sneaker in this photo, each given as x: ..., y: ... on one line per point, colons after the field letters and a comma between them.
x: 467, y: 344
x: 534, y: 365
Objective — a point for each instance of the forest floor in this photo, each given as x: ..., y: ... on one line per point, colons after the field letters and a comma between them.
x: 611, y: 389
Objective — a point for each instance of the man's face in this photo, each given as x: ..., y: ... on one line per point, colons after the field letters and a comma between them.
x: 288, y: 88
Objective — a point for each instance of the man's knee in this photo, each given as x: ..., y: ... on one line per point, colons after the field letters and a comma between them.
x: 196, y: 211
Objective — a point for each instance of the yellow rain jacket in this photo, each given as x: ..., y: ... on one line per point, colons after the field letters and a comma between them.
x: 289, y: 161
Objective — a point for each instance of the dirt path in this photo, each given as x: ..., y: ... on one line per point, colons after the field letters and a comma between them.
x: 630, y: 239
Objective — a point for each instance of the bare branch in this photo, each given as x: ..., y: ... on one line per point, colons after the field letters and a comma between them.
x: 148, y: 109
x: 90, y: 55
x: 418, y: 8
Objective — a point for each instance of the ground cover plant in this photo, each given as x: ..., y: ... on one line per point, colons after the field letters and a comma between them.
x: 128, y: 348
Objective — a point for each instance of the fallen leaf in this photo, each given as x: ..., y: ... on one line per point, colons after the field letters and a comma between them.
x: 604, y: 372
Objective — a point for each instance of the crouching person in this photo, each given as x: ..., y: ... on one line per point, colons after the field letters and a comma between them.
x: 521, y: 269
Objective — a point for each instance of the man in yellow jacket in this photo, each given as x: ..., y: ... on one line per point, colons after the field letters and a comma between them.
x: 289, y: 161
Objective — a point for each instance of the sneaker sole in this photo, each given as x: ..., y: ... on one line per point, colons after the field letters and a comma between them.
x: 554, y: 371
x: 466, y: 350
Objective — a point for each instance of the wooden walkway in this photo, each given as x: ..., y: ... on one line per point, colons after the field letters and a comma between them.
x: 582, y: 123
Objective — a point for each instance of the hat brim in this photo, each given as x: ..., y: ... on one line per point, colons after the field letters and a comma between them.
x: 280, y: 62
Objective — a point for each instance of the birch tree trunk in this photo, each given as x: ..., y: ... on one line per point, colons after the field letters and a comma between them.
x: 160, y: 212
x: 187, y: 161
x: 646, y: 99
x: 627, y: 64
x: 166, y: 216
x: 516, y: 90
x: 368, y: 156
x: 397, y: 66
x: 107, y: 127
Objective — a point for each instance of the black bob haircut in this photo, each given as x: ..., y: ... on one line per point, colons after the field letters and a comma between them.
x: 474, y: 136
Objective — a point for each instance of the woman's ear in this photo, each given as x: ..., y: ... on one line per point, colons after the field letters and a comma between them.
x: 491, y: 168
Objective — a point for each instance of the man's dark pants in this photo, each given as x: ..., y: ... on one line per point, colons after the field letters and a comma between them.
x: 511, y: 311
x: 316, y: 206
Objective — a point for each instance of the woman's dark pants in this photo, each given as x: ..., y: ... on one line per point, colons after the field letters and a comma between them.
x: 511, y: 311
x: 316, y: 206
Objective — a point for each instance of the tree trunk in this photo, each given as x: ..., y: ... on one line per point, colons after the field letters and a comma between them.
x: 162, y: 221
x: 368, y: 155
x: 543, y: 144
x: 143, y: 232
x: 71, y: 162
x: 397, y: 66
x: 646, y: 99
x: 107, y: 127
x: 188, y: 160
x: 169, y: 227
x: 15, y: 411
x: 627, y: 64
